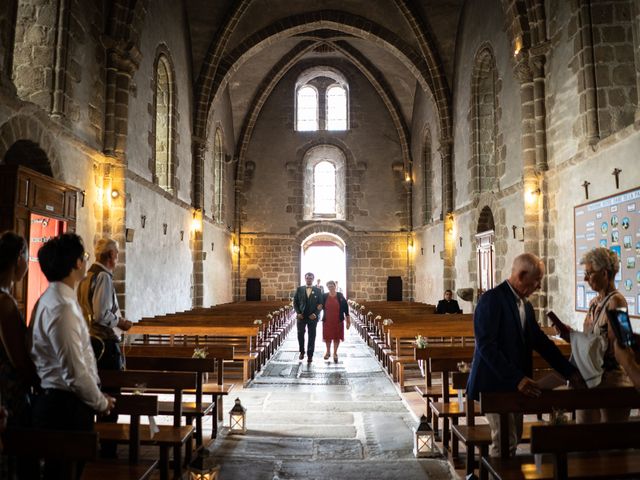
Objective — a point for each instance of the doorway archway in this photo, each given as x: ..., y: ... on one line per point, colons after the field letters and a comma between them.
x: 324, y: 254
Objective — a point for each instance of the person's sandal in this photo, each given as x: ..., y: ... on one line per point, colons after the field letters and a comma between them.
x: 326, y: 356
x: 335, y: 358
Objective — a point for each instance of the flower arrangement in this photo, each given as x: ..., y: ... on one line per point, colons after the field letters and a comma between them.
x: 257, y: 322
x: 200, y: 352
x: 378, y: 317
x: 463, y: 367
x: 558, y: 417
x: 362, y: 308
x: 369, y: 313
x: 421, y: 342
x: 269, y: 316
x: 387, y: 321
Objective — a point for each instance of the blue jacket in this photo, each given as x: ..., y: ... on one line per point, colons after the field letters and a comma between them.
x: 504, y: 350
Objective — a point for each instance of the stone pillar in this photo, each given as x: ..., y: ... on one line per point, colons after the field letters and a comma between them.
x: 121, y: 66
x: 449, y: 273
x: 587, y: 74
x: 199, y: 149
x: 60, y: 59
x: 635, y: 11
x: 536, y: 63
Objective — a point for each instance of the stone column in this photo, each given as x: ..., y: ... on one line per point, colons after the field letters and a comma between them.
x: 449, y: 273
x: 199, y: 149
x: 635, y: 11
x: 536, y: 63
x: 587, y: 74
x: 60, y: 59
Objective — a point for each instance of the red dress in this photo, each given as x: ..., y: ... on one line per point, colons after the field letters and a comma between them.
x: 332, y: 327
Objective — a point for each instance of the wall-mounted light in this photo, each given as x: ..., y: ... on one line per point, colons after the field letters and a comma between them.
x: 532, y: 195
x: 114, y: 194
x: 235, y: 248
x: 143, y: 220
x: 164, y: 228
x: 407, y: 177
x: 517, y: 46
x: 196, y: 221
x: 410, y: 245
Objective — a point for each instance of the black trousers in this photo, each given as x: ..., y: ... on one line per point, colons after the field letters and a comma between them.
x: 310, y: 326
x: 108, y: 357
x: 62, y: 410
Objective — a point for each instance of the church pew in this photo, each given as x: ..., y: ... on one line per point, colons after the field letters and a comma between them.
x: 550, y: 400
x: 242, y: 338
x: 168, y: 437
x: 211, y: 385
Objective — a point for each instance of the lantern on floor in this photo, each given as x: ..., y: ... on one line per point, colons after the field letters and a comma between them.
x: 424, y: 439
x: 238, y: 418
x: 203, y: 468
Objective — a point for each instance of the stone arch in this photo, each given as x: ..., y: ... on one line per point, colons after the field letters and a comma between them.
x: 216, y: 74
x: 21, y: 135
x: 484, y: 110
x: 489, y: 213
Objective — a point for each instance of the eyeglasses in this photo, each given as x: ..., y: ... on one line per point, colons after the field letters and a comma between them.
x: 590, y: 273
x: 85, y: 256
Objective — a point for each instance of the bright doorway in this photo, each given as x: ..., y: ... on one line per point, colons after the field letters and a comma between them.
x: 324, y: 254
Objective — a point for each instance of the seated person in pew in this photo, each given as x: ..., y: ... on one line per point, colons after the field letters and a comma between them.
x: 61, y: 349
x: 506, y: 334
x: 448, y: 304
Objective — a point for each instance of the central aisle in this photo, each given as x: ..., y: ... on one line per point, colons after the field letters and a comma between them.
x: 323, y: 421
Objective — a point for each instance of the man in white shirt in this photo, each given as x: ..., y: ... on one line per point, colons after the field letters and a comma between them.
x: 61, y: 349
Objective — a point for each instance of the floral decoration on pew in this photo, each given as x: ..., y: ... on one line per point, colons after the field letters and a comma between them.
x: 378, y: 317
x: 200, y: 352
x: 257, y: 321
x: 269, y: 316
x: 463, y: 367
x: 386, y: 322
x: 421, y: 342
x: 558, y: 417
x: 369, y: 313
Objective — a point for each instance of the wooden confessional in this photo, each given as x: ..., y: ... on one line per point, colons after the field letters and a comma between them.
x: 37, y: 207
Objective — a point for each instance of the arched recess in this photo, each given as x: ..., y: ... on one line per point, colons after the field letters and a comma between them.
x: 275, y: 75
x: 484, y: 162
x: 485, y: 251
x: 22, y: 137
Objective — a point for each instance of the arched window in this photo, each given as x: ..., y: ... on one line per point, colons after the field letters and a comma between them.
x: 336, y: 108
x: 218, y: 175
x: 325, y: 183
x: 307, y: 104
x: 163, y: 125
x: 324, y: 188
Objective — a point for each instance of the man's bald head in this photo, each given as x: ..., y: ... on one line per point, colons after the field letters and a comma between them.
x: 526, y: 274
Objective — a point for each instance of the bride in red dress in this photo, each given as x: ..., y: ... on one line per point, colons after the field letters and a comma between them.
x: 336, y: 311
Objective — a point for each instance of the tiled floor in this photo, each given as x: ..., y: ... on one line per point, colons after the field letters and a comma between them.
x: 324, y: 420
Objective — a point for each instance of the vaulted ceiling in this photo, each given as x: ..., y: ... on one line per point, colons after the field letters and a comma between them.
x: 247, y: 45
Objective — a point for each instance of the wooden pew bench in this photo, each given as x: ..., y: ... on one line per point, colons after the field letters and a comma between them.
x: 168, y: 437
x: 179, y: 359
x: 567, y: 400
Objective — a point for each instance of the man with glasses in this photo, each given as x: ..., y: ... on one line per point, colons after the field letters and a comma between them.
x: 61, y: 349
x: 307, y: 303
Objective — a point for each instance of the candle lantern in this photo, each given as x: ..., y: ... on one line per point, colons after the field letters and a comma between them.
x: 424, y: 439
x: 238, y: 418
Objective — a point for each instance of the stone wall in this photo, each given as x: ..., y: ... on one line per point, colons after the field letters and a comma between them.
x: 370, y: 260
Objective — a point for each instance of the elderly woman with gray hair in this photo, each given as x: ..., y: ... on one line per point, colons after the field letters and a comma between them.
x: 593, y: 348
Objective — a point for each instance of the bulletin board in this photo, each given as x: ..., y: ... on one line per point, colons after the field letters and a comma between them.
x: 612, y: 222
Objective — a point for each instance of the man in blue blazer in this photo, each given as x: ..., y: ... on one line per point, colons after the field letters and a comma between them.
x: 506, y: 333
x: 307, y: 303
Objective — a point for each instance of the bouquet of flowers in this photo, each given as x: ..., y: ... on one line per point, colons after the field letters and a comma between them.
x: 269, y: 316
x: 387, y: 321
x: 463, y: 367
x: 378, y: 317
x: 200, y: 352
x: 421, y: 342
x: 257, y: 322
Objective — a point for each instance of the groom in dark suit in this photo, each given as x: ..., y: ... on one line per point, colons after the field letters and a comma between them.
x: 307, y: 304
x: 506, y: 334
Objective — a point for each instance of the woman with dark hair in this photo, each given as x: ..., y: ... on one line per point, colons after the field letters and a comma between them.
x: 17, y: 372
x: 336, y: 310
